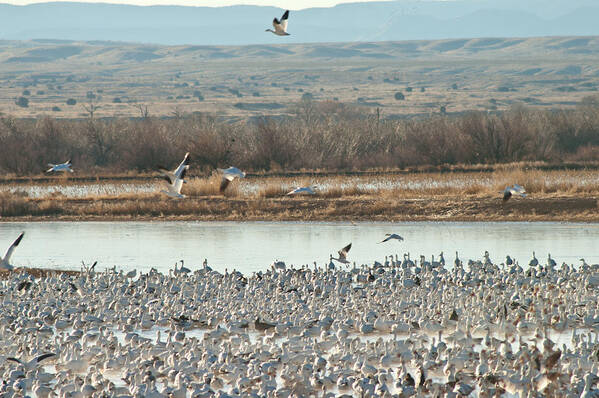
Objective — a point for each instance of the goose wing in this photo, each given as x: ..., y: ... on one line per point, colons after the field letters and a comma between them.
x: 178, y: 184
x: 518, y: 189
x: 12, y: 248
x: 283, y: 22
x: 42, y: 357
x: 343, y: 252
x: 224, y: 183
x: 183, y: 165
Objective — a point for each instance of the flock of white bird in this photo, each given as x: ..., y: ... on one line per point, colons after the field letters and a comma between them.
x: 398, y: 329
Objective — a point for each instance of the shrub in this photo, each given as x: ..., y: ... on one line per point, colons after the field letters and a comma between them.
x: 23, y: 102
x: 116, y: 100
x: 26, y: 92
x: 198, y: 94
x: 399, y: 96
x: 55, y: 109
x: 71, y: 101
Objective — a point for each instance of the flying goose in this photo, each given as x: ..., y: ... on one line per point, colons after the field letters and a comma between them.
x: 280, y: 26
x: 343, y: 255
x: 173, y: 175
x: 229, y: 175
x: 391, y: 236
x: 32, y: 364
x: 174, y: 188
x: 509, y: 191
x: 300, y: 190
x: 66, y: 166
x: 4, y: 262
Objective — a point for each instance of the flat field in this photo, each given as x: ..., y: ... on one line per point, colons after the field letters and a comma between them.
x: 235, y: 82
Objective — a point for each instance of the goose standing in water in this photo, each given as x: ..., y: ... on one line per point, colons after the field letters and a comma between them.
x: 534, y: 262
x: 174, y: 187
x: 280, y: 26
x: 173, y: 175
x: 5, y: 262
x: 229, y: 175
x: 66, y: 166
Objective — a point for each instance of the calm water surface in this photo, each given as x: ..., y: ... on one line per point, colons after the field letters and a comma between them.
x: 252, y: 246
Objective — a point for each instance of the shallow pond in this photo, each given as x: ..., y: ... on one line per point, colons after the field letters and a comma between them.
x: 252, y: 246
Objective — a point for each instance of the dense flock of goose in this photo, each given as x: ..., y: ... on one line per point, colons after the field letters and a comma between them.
x: 398, y: 329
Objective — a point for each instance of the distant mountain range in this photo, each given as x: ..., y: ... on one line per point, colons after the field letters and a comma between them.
x: 240, y: 25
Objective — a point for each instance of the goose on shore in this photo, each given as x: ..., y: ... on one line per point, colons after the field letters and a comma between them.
x: 174, y: 188
x: 280, y: 26
x: 66, y: 166
x: 229, y: 175
x: 173, y: 175
x: 5, y: 261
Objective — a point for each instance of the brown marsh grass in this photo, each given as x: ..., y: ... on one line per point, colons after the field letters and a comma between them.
x: 555, y: 194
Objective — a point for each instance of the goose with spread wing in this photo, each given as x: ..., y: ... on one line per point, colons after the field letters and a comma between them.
x: 391, y: 236
x: 280, y: 26
x: 173, y: 175
x: 174, y: 188
x: 66, y: 166
x: 229, y: 175
x: 343, y: 255
x: 514, y: 190
x: 301, y: 190
x: 5, y: 261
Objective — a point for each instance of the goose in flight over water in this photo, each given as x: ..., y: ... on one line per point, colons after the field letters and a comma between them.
x: 173, y: 175
x: 66, y: 166
x: 229, y: 175
x: 280, y: 26
x: 509, y: 191
x: 174, y: 188
x: 300, y: 190
x: 391, y: 236
x: 343, y: 255
x: 4, y: 262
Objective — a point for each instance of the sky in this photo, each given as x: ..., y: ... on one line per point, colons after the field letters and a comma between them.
x: 287, y: 4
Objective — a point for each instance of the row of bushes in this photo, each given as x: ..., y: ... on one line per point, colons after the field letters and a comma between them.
x: 315, y: 135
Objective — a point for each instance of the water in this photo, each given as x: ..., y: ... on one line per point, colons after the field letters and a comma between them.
x: 252, y: 246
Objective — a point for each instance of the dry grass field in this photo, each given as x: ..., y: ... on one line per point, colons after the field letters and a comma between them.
x: 235, y: 82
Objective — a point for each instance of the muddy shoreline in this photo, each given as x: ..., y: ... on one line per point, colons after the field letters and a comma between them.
x: 548, y: 208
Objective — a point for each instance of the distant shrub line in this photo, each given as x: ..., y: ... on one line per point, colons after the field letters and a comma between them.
x: 315, y: 135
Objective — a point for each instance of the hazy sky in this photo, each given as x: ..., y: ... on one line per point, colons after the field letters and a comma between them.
x: 290, y: 4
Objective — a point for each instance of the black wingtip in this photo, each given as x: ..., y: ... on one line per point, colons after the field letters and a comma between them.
x: 285, y: 15
x: 183, y: 172
x: 223, y: 185
x: 19, y: 239
x: 186, y: 159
